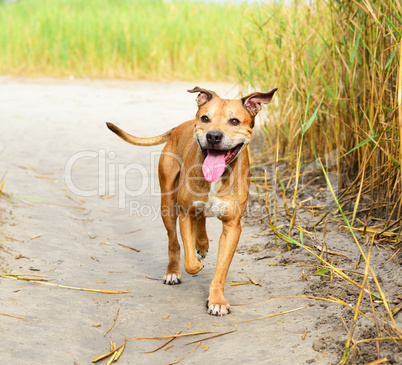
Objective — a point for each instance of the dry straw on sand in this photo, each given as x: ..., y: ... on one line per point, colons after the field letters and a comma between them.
x: 41, y: 280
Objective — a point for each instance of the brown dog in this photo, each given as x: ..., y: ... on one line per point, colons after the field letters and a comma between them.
x: 204, y: 171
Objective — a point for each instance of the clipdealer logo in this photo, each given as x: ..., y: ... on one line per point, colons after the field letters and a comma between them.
x: 117, y: 179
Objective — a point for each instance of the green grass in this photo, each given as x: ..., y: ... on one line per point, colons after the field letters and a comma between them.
x: 132, y: 39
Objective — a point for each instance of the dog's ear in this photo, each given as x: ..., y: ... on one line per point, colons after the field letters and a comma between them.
x: 253, y: 101
x: 204, y: 95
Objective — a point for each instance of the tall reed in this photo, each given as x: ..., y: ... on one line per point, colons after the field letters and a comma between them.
x: 338, y: 64
x: 345, y: 54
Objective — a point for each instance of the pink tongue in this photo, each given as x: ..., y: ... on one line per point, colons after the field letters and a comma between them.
x: 214, y: 165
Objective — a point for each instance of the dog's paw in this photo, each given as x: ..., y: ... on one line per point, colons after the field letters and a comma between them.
x: 201, y: 262
x: 201, y: 247
x: 218, y: 309
x: 194, y: 267
x: 172, y: 279
x: 202, y: 254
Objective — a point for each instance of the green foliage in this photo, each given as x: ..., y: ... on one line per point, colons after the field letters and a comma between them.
x: 151, y: 39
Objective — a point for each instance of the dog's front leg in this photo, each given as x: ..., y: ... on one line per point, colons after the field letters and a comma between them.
x: 217, y: 304
x: 188, y: 231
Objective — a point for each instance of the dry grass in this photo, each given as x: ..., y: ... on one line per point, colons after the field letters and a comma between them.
x: 338, y: 67
x: 337, y: 62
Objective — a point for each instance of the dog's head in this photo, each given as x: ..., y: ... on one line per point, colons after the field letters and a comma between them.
x: 224, y: 127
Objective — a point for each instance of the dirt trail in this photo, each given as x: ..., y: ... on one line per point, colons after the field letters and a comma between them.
x: 69, y: 216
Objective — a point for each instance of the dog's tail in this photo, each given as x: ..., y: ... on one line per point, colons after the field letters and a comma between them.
x: 152, y: 141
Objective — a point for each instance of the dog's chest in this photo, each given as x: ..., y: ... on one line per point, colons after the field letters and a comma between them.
x: 214, y: 206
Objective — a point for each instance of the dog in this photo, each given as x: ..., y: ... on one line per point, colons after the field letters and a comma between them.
x: 204, y: 170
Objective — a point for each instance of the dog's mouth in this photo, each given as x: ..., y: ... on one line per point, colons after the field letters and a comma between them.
x: 215, y: 161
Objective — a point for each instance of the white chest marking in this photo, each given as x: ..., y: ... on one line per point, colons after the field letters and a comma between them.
x: 214, y: 207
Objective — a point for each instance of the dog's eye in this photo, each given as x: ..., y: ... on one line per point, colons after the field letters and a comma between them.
x: 204, y: 119
x: 234, y: 121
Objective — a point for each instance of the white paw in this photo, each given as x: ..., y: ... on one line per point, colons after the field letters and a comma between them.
x: 218, y: 309
x: 172, y: 279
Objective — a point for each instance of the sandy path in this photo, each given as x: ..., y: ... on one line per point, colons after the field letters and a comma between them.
x: 46, y: 124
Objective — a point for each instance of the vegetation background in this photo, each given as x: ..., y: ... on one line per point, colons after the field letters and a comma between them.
x: 130, y: 39
x: 337, y: 65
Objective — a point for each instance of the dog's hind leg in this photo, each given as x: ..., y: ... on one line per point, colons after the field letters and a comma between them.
x: 202, y: 244
x: 188, y: 230
x: 169, y: 171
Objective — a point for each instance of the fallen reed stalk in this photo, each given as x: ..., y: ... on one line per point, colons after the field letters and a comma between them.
x: 114, y: 322
x: 22, y: 278
x: 116, y: 352
x: 211, y: 337
x: 165, y: 344
x: 195, y: 348
x: 172, y: 336
x: 10, y: 315
x: 271, y: 315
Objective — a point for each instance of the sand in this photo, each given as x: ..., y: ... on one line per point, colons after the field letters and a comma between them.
x: 68, y: 220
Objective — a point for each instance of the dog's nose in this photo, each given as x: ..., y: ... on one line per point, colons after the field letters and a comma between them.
x: 214, y: 137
